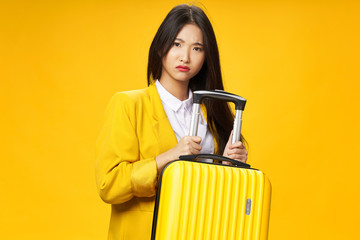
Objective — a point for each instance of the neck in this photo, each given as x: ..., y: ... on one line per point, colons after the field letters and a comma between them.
x: 180, y: 90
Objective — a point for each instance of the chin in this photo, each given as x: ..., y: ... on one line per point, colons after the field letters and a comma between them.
x: 184, y: 80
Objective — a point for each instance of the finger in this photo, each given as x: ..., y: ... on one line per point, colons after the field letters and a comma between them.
x: 238, y: 157
x: 196, y: 146
x: 230, y: 137
x: 238, y: 151
x: 190, y: 140
x: 237, y: 145
x: 195, y: 150
x: 243, y: 153
x: 196, y: 139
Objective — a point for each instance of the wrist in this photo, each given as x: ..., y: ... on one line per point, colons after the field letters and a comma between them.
x: 161, y: 160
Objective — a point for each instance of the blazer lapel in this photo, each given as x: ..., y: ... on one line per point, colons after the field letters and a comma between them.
x: 161, y: 126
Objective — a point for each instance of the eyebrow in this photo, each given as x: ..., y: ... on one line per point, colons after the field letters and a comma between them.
x: 196, y: 43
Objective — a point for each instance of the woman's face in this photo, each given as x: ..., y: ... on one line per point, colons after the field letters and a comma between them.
x: 185, y: 58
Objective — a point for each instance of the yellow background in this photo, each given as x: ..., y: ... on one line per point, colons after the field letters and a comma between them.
x: 297, y: 63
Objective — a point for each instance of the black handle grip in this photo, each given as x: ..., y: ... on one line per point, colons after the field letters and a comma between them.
x: 214, y: 157
x: 220, y: 95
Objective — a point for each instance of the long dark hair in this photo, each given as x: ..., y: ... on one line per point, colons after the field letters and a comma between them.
x: 219, y: 116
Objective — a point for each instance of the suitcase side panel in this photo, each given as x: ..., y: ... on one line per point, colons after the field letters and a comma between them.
x: 266, y: 209
x: 168, y: 207
x: 206, y: 201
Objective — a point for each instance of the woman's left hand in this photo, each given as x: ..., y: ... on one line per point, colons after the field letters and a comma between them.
x: 235, y: 151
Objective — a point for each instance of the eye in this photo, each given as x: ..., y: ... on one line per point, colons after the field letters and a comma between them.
x: 176, y: 44
x: 198, y: 49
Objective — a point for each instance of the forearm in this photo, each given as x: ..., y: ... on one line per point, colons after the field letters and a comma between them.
x: 126, y: 180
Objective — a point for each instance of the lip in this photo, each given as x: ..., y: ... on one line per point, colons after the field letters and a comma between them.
x: 182, y: 68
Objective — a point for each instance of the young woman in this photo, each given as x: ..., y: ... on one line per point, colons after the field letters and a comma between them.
x: 145, y: 129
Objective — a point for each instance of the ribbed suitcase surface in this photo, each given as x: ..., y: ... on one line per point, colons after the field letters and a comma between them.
x: 211, y: 201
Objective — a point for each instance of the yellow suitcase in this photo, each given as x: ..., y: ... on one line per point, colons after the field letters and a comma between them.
x: 211, y: 201
x: 202, y: 200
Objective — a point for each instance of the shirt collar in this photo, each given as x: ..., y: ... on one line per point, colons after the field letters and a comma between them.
x: 171, y: 101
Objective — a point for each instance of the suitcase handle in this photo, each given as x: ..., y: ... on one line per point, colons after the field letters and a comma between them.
x: 198, y: 96
x: 214, y: 157
x: 220, y: 95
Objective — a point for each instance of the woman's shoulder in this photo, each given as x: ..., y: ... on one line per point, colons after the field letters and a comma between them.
x: 135, y: 97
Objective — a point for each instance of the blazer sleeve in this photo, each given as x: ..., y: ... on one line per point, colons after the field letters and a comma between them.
x: 120, y: 173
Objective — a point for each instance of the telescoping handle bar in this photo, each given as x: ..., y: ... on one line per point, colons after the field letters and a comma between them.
x: 239, y: 102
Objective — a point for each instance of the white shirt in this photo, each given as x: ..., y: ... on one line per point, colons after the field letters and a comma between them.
x: 179, y: 115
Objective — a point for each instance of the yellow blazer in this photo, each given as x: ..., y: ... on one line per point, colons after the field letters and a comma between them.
x: 135, y: 131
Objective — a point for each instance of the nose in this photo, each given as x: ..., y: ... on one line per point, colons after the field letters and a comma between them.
x: 185, y: 56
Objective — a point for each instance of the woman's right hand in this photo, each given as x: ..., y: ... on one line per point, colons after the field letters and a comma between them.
x: 188, y: 145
